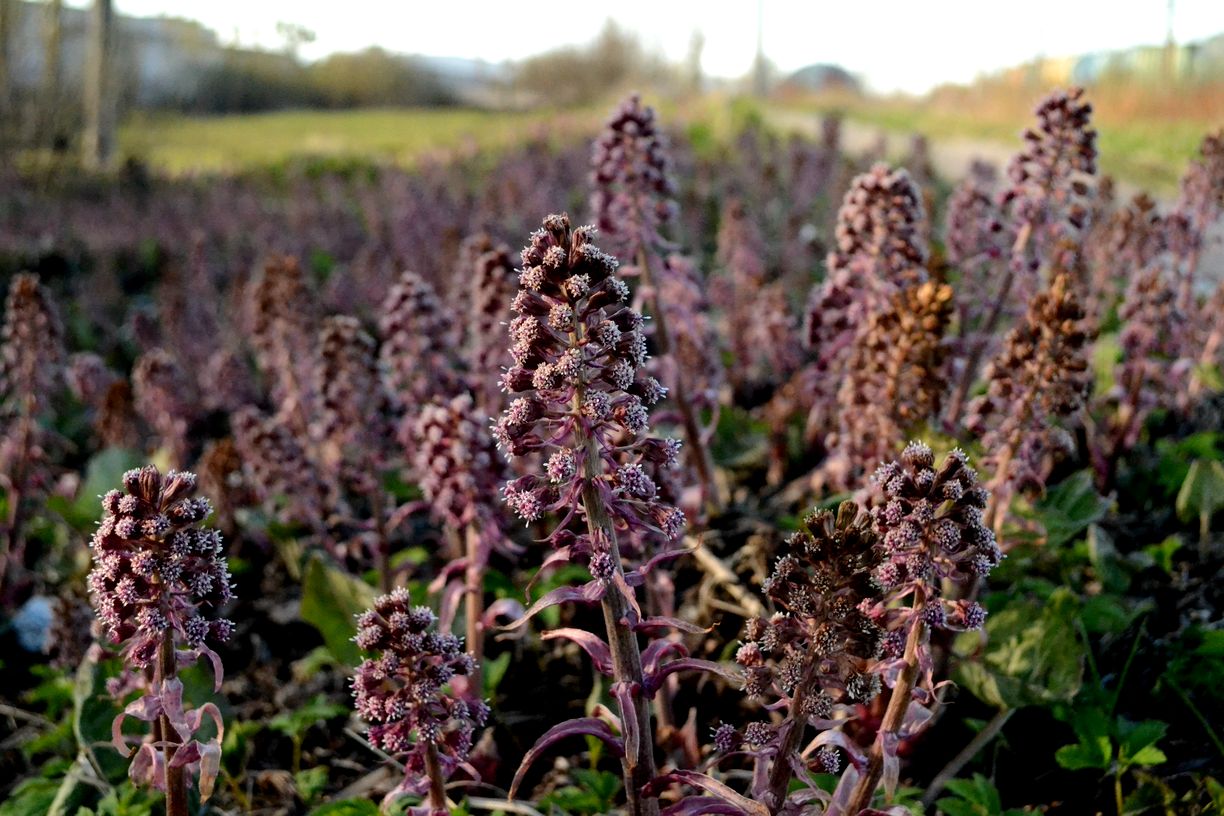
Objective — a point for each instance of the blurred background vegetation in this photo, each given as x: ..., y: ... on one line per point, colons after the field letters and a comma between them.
x: 174, y: 96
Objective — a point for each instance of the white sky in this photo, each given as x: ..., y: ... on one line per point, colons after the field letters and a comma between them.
x: 895, y: 44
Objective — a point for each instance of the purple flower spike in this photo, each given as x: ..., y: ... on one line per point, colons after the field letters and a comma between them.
x: 414, y: 694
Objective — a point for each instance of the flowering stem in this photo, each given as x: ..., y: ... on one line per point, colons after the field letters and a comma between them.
x: 474, y: 606
x: 700, y: 453
x: 792, y: 729
x: 176, y: 783
x: 638, y: 764
x: 988, y: 328
x: 437, y: 784
x: 894, y: 715
x: 386, y: 577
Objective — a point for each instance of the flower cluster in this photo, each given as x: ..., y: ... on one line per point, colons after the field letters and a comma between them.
x: 1040, y: 377
x: 1050, y: 182
x: 1155, y: 369
x: 165, y: 400
x: 895, y: 381
x: 283, y: 336
x: 578, y: 351
x: 817, y: 652
x: 880, y: 251
x: 277, y: 467
x: 1132, y: 238
x: 492, y: 287
x: 631, y: 181
x: 458, y: 464
x: 352, y: 422
x: 155, y: 568
x: 31, y: 348
x: 412, y: 692
x: 418, y: 339
x: 931, y: 530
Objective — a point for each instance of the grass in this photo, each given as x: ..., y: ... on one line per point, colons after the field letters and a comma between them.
x: 1144, y: 138
x: 204, y: 144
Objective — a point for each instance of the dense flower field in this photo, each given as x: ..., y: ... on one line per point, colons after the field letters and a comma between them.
x: 769, y: 480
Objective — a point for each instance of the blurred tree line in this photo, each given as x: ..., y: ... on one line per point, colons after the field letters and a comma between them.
x: 68, y: 74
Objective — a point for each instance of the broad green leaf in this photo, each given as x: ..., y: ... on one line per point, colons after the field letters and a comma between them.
x: 1076, y: 757
x: 1032, y: 657
x: 296, y: 723
x: 33, y: 797
x: 1105, y: 560
x: 1150, y: 755
x: 102, y: 473
x: 1069, y: 507
x: 1203, y: 490
x: 331, y: 598
x: 310, y: 782
x: 1137, y: 742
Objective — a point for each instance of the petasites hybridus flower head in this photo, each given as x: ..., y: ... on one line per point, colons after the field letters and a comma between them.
x: 580, y: 394
x: 413, y: 692
x: 157, y: 568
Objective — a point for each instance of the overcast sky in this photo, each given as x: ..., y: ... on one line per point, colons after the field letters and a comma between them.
x: 895, y: 45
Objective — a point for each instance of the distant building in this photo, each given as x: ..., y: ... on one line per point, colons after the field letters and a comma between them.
x: 821, y: 77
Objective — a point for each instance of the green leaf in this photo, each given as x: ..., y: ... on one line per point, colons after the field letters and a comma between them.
x: 102, y: 473
x: 33, y: 797
x: 1069, y: 507
x: 1033, y: 656
x: 295, y: 723
x: 1106, y: 562
x: 1137, y: 742
x: 495, y: 672
x: 1202, y: 493
x: 1162, y: 553
x: 331, y: 598
x: 310, y: 782
x: 347, y: 807
x: 1076, y: 757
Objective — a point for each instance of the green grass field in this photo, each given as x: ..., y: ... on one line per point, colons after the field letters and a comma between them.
x: 184, y: 144
x: 1147, y: 151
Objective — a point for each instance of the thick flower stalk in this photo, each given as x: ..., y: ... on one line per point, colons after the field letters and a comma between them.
x: 165, y: 399
x: 880, y: 251
x: 1041, y: 377
x: 632, y: 201
x: 931, y: 535
x: 416, y: 696
x: 894, y: 382
x: 1046, y: 211
x: 419, y: 337
x: 31, y: 369
x: 157, y: 581
x: 741, y: 256
x: 816, y: 655
x: 460, y: 472
x: 582, y: 408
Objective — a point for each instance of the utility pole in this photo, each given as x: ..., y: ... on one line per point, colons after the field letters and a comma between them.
x: 51, y: 103
x: 760, y: 69
x: 8, y: 19
x: 1170, y: 49
x: 98, y: 141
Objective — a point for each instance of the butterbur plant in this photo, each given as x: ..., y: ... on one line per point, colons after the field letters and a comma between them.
x: 461, y: 471
x: 931, y: 535
x: 633, y: 202
x: 158, y: 580
x: 414, y: 695
x: 815, y: 657
x: 1039, y: 379
x: 31, y: 364
x: 582, y: 409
